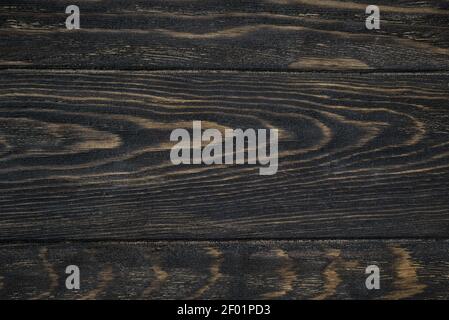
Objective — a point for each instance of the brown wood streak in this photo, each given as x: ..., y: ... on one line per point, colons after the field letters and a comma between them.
x: 334, y: 4
x: 275, y: 34
x: 331, y: 274
x: 160, y: 277
x: 50, y: 273
x: 105, y: 277
x: 332, y: 279
x: 406, y: 281
x: 214, y: 271
x: 287, y: 276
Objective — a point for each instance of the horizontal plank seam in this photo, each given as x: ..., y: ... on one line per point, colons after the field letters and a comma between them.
x: 230, y: 240
x: 237, y: 70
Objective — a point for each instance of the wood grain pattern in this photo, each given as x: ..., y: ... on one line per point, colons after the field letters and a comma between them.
x: 224, y: 270
x: 85, y: 155
x: 232, y: 34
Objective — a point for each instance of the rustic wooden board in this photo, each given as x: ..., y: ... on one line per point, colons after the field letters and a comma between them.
x: 85, y: 155
x: 232, y: 34
x: 223, y: 270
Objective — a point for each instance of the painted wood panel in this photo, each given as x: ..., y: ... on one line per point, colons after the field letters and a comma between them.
x: 232, y: 34
x: 86, y: 155
x: 226, y: 270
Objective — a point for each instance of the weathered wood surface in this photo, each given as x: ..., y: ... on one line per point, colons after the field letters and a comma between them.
x: 85, y: 155
x: 224, y: 270
x: 232, y: 34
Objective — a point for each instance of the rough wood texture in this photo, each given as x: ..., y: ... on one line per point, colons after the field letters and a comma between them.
x: 224, y: 270
x: 85, y: 155
x: 232, y: 34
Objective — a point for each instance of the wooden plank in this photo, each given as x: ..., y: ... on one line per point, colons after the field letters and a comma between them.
x: 227, y: 270
x: 86, y: 155
x: 232, y: 34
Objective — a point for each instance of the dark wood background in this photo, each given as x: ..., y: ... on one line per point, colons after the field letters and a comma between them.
x: 86, y: 179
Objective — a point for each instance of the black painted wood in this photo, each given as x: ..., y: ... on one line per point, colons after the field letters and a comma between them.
x: 85, y: 155
x: 226, y: 270
x: 216, y: 34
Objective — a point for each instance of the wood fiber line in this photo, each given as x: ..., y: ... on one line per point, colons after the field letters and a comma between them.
x: 216, y: 34
x: 86, y: 155
x: 287, y: 276
x: 224, y: 270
